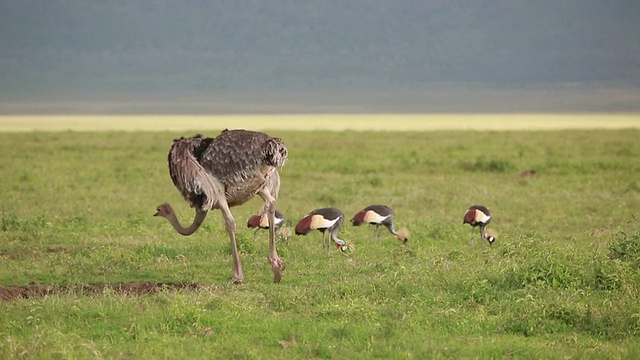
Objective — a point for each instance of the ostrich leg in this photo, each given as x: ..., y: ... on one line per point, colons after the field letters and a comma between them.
x: 230, y: 224
x: 276, y: 263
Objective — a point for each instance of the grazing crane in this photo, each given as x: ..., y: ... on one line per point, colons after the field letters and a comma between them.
x: 260, y: 221
x: 379, y: 215
x: 322, y: 220
x: 479, y: 216
x: 226, y: 171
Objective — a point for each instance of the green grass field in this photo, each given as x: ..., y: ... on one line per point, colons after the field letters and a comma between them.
x: 88, y: 272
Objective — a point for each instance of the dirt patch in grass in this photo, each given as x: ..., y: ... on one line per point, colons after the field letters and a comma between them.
x: 33, y: 290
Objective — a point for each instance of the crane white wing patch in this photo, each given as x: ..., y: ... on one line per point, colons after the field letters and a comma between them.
x: 319, y: 222
x: 373, y: 217
x: 264, y: 221
x: 482, y: 217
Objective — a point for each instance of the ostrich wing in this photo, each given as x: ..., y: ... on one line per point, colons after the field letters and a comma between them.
x: 234, y: 166
x: 193, y: 181
x: 235, y: 156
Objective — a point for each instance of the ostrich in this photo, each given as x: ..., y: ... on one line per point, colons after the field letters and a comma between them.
x: 225, y: 171
x: 379, y: 215
x: 479, y: 216
x: 322, y: 220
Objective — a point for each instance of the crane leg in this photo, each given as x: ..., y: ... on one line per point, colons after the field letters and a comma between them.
x: 230, y: 225
x: 276, y: 263
x: 255, y: 234
x: 325, y: 246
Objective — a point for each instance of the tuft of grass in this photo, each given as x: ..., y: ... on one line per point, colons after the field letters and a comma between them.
x: 489, y: 165
x: 11, y: 222
x: 627, y: 249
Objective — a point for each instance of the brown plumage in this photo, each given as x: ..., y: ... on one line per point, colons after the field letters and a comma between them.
x: 479, y: 216
x: 226, y: 171
x: 379, y: 215
x: 325, y: 219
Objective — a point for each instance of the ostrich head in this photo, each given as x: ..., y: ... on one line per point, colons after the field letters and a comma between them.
x: 164, y: 210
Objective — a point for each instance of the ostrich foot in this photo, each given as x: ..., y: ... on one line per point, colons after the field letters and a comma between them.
x: 238, y: 277
x: 278, y: 267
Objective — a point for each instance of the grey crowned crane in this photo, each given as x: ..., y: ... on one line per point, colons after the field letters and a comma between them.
x: 325, y: 219
x: 379, y: 215
x: 261, y: 222
x: 479, y: 216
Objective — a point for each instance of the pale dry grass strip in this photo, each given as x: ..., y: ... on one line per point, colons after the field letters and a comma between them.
x: 329, y: 122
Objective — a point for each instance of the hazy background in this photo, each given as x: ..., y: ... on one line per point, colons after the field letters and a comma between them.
x: 156, y: 56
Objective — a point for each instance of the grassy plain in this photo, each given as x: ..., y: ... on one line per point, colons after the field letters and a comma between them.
x: 561, y: 281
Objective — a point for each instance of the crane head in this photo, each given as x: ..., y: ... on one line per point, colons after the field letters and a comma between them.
x: 403, y: 235
x: 490, y: 236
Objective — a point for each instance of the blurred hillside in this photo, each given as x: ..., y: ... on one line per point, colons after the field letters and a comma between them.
x: 357, y: 54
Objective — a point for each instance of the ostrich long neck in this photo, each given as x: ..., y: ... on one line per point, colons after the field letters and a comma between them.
x: 197, y: 221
